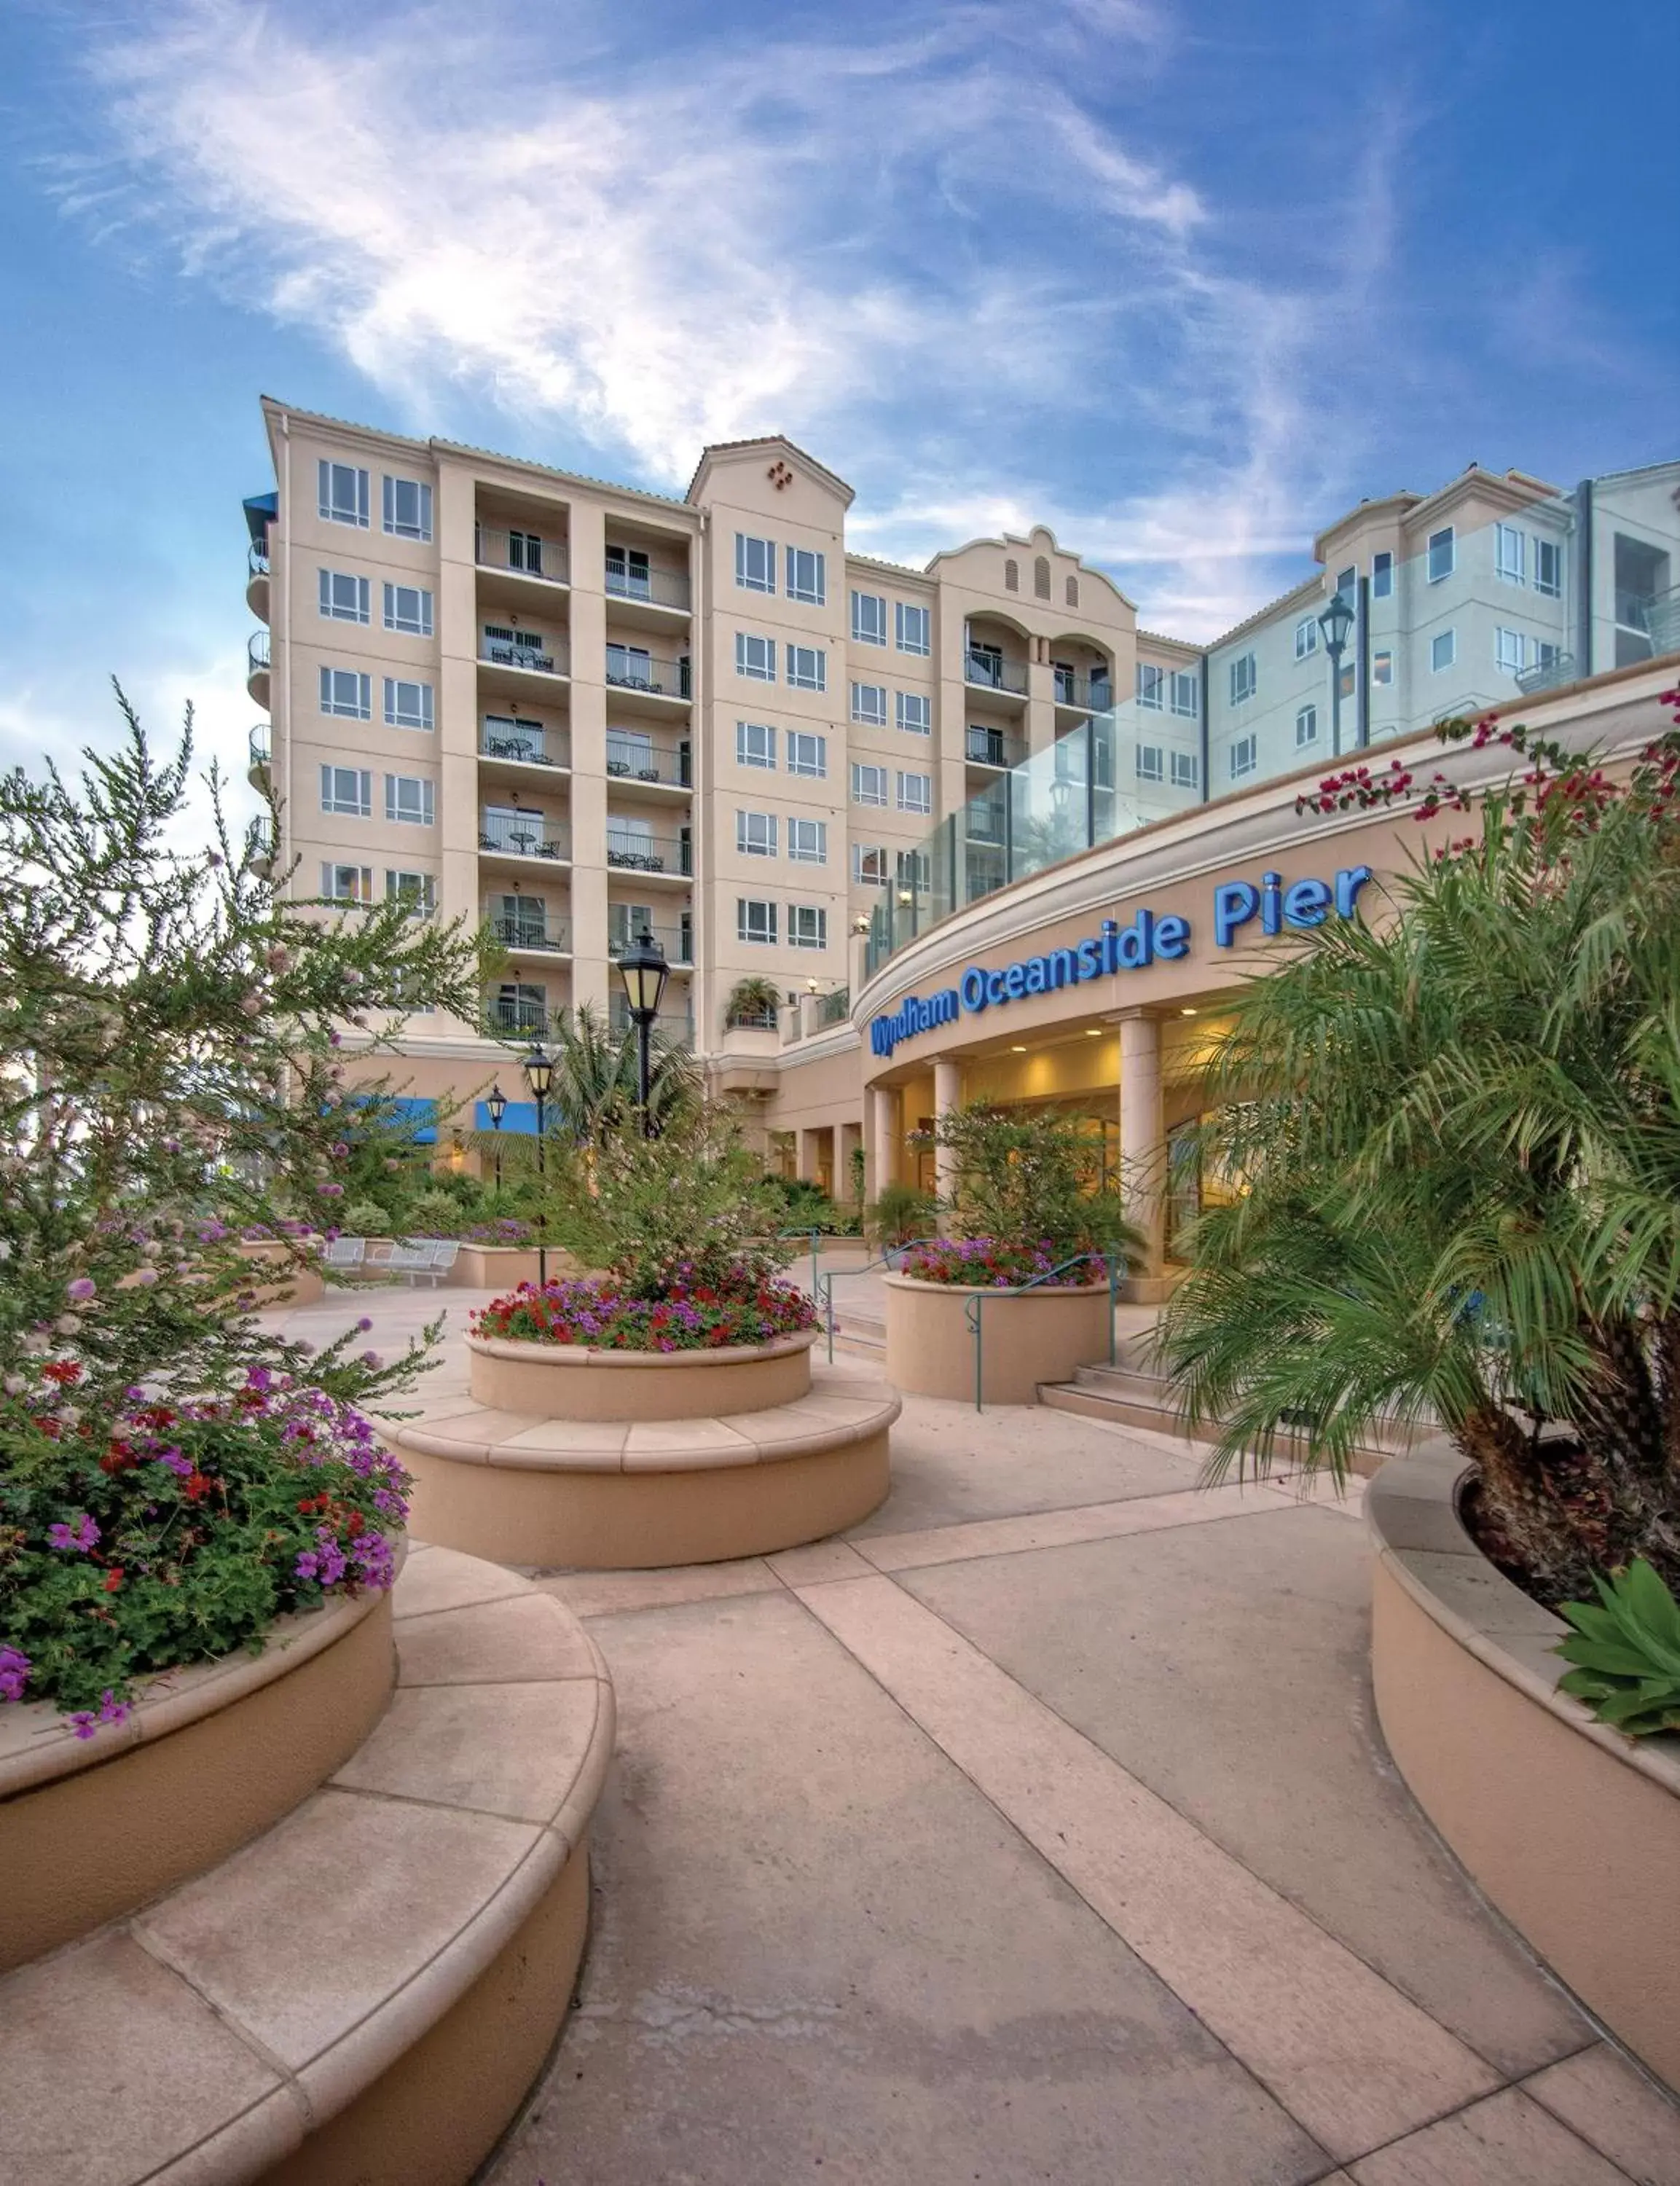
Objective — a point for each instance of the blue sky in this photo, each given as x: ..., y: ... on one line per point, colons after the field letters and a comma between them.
x: 1182, y: 280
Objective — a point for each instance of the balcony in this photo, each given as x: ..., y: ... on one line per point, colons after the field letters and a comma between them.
x: 993, y: 747
x: 645, y: 682
x: 675, y: 944
x: 549, y: 661
x: 516, y: 745
x: 639, y: 761
x: 525, y: 835
x: 985, y: 669
x: 260, y: 753
x: 1545, y: 676
x: 633, y: 850
x: 256, y: 580
x: 527, y: 556
x: 257, y: 666
x: 655, y: 599
x: 533, y: 935
x: 506, y: 1015
x: 675, y: 1026
x: 1086, y: 694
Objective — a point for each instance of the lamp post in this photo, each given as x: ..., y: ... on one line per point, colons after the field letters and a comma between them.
x: 497, y: 1105
x: 538, y: 1069
x: 644, y: 971
x: 1335, y: 622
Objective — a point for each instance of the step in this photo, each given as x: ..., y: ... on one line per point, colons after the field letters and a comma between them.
x: 364, y: 1994
x: 1127, y: 1399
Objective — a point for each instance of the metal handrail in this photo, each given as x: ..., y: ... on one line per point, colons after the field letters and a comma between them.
x: 816, y: 1237
x: 825, y: 1283
x: 971, y: 1315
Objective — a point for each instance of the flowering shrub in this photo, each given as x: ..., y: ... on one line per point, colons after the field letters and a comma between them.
x: 991, y: 1261
x: 135, y: 1540
x: 504, y: 1229
x: 696, y: 1313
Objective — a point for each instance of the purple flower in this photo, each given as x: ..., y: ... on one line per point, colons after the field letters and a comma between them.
x: 111, y: 1710
x: 363, y: 1325
x: 372, y: 1360
x: 82, y: 1535
x: 83, y: 1289
x: 332, y: 1191
x: 15, y: 1668
x: 172, y: 1459
x: 143, y: 1278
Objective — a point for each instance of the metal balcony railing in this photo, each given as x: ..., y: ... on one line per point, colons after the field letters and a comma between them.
x: 633, y: 757
x: 630, y: 668
x: 1663, y: 622
x: 261, y: 744
x: 994, y: 674
x: 526, y: 553
x: 677, y: 1025
x: 992, y: 748
x: 537, y: 660
x: 551, y: 935
x: 256, y: 560
x: 257, y: 653
x: 528, y: 835
x: 1547, y: 675
x: 533, y: 746
x: 660, y: 587
x: 1094, y: 691
x: 504, y: 1014
x: 676, y: 943
x: 755, y: 1018
x: 632, y: 851
x: 836, y: 1008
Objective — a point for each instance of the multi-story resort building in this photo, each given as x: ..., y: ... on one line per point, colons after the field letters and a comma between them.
x: 576, y: 709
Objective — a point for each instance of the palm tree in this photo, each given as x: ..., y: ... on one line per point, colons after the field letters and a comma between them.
x: 594, y: 1085
x: 754, y: 1000
x: 1457, y: 1143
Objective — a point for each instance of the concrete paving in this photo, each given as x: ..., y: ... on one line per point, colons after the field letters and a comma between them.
x: 1039, y: 1830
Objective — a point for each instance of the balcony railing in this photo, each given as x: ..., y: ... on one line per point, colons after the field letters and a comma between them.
x: 261, y: 744
x: 527, y: 836
x: 551, y: 935
x: 502, y: 1014
x: 256, y: 560
x: 660, y: 588
x: 632, y: 758
x: 630, y: 669
x: 676, y: 943
x: 1544, y: 676
x: 675, y: 1025
x: 257, y: 653
x: 1094, y: 691
x: 633, y: 851
x: 524, y: 553
x: 992, y: 748
x: 836, y: 1008
x: 994, y: 674
x: 531, y: 747
x: 756, y: 1018
x: 536, y: 660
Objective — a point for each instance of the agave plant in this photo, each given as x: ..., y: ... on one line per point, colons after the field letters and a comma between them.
x: 1628, y: 1652
x: 1456, y: 1138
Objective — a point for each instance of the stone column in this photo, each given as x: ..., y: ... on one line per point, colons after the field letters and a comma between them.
x: 883, y: 1116
x: 1143, y: 1148
x: 947, y: 1097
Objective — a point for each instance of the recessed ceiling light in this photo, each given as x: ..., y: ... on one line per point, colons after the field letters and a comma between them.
x: 1017, y: 1051
x: 1093, y: 1032
x: 1187, y: 1013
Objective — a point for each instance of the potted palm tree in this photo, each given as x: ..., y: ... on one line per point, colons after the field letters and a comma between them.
x: 752, y: 1005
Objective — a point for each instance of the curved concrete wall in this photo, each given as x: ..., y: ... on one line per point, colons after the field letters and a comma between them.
x: 561, y: 1381
x: 1041, y: 1337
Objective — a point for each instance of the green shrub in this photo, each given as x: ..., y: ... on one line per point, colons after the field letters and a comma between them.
x: 365, y: 1218
x: 807, y: 1207
x: 434, y: 1214
x: 1628, y: 1652
x: 1034, y: 1178
x: 900, y: 1213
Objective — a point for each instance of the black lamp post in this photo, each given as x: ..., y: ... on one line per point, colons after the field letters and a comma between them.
x: 538, y: 1069
x: 1335, y: 622
x: 644, y: 971
x: 497, y: 1105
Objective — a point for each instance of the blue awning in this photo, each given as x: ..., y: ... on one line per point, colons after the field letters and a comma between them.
x: 261, y: 509
x: 520, y: 1116
x: 421, y: 1115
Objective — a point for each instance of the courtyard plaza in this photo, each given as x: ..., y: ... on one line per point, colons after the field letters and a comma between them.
x: 1037, y: 1829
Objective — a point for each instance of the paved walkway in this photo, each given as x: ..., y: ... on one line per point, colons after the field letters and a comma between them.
x: 1039, y: 1830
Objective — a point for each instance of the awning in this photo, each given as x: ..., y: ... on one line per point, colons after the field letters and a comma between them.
x: 261, y: 509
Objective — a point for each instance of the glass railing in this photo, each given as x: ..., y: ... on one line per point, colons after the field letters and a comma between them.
x: 551, y: 935
x: 987, y: 747
x: 995, y: 674
x: 1094, y: 691
x: 525, y: 553
x: 676, y: 1026
x: 836, y: 1008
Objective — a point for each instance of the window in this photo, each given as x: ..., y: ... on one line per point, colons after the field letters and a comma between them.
x: 347, y: 789
x: 630, y: 574
x: 754, y: 920
x: 869, y: 864
x: 1186, y: 693
x: 630, y: 667
x: 1073, y: 591
x: 915, y: 793
x: 630, y: 752
x: 1548, y: 568
x: 1344, y: 679
x: 755, y: 834
x: 1382, y: 668
x: 1186, y: 770
x: 347, y: 883
x: 807, y: 925
x: 1348, y: 583
x: 1382, y: 576
x: 1443, y: 649
x: 408, y: 508
x: 419, y: 891
x: 755, y: 656
x: 754, y: 743
x: 1543, y: 653
x: 1306, y: 636
x: 1244, y: 756
x: 1151, y: 685
x: 525, y: 551
x: 807, y: 754
x: 407, y: 705
x: 1508, y: 651
x: 1305, y: 726
x: 755, y: 564
x: 807, y: 668
x: 408, y: 797
x: 916, y: 713
x: 345, y: 692
x: 1510, y: 559
x: 408, y: 608
x: 868, y: 784
x: 1150, y: 767
x: 869, y: 704
x: 914, y: 628
x: 869, y: 619
x: 343, y: 599
x: 1443, y: 555
x: 807, y: 842
x: 343, y: 494
x: 807, y: 576
x: 1243, y: 679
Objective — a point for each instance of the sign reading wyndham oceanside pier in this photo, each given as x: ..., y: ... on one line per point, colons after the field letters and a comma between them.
x: 1145, y: 940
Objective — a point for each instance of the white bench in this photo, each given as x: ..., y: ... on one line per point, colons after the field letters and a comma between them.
x: 422, y: 1259
x: 345, y: 1252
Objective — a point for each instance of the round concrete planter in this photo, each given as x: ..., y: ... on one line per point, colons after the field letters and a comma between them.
x: 278, y: 1278
x: 212, y: 1755
x: 565, y: 1382
x: 1570, y: 1830
x: 1041, y: 1336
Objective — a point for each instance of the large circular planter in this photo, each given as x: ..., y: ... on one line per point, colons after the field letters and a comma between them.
x: 1024, y: 1340
x: 276, y: 1278
x: 565, y: 1382
x: 211, y: 1756
x: 1570, y: 1830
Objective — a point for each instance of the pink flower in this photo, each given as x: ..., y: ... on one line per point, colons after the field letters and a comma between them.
x: 82, y: 1533
x: 83, y: 1289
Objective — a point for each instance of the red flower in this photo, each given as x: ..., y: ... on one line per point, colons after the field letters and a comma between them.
x: 114, y: 1578
x: 199, y: 1485
x: 63, y: 1371
x: 118, y: 1458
